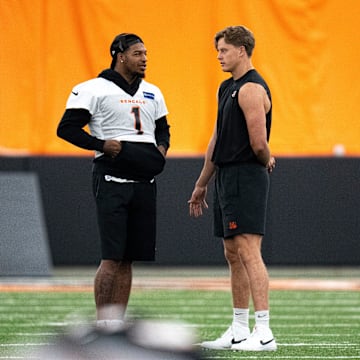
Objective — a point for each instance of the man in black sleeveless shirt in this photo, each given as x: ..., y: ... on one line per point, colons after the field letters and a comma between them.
x: 239, y: 156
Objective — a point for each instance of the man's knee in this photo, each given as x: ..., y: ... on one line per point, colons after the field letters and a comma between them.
x: 248, y: 247
x: 230, y: 251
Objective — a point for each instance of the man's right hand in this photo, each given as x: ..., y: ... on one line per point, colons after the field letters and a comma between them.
x: 112, y: 148
x: 198, y: 201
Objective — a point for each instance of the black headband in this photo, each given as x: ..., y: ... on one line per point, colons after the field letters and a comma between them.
x: 122, y: 42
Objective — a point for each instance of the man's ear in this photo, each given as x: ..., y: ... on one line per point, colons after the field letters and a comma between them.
x: 120, y: 57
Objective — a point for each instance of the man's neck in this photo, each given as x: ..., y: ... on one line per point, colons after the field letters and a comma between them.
x: 130, y: 78
x: 241, y: 70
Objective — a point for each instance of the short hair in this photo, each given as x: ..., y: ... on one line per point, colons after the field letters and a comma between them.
x: 237, y: 36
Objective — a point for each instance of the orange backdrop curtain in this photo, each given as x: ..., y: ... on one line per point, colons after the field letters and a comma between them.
x: 308, y: 51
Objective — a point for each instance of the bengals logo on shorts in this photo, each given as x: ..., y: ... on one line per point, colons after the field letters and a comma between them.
x: 232, y: 225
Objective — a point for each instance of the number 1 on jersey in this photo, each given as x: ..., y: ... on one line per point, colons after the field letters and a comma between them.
x: 136, y: 111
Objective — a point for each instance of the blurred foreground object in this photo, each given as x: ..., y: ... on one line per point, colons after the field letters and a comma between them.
x: 146, y: 340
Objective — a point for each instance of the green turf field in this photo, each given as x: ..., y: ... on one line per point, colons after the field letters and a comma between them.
x: 306, y: 324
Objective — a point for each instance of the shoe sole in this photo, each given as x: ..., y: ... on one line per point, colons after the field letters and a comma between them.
x: 258, y: 349
x: 214, y: 347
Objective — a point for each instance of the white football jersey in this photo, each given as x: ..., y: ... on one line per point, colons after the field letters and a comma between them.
x: 116, y: 115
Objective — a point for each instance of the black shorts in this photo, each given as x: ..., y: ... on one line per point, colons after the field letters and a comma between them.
x: 240, y: 200
x: 126, y: 215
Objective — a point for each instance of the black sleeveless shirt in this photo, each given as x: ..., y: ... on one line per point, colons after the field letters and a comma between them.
x: 233, y: 143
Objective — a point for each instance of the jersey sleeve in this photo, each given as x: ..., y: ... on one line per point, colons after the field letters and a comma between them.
x: 82, y: 98
x: 161, y: 106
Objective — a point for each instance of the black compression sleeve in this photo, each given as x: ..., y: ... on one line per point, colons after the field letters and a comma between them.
x: 162, y: 132
x: 71, y: 129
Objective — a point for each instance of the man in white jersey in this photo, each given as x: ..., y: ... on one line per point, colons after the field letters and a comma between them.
x: 130, y: 135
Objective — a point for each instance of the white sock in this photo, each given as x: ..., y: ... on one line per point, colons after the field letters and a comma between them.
x: 241, y: 317
x: 109, y: 326
x: 262, y: 318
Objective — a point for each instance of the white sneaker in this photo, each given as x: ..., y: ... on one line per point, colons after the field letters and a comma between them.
x: 235, y: 334
x: 261, y: 339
